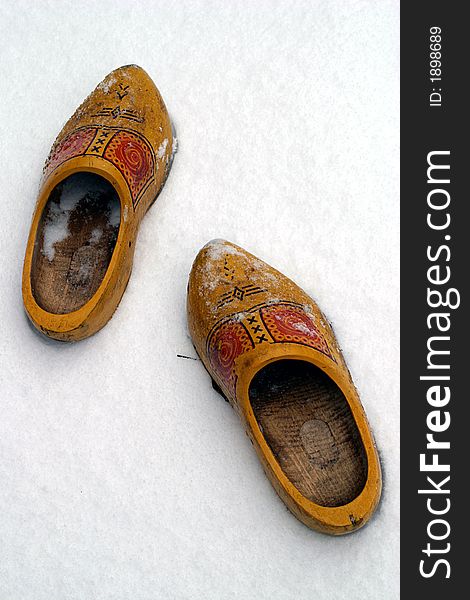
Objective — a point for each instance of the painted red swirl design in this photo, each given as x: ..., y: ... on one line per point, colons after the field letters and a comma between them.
x: 285, y: 323
x: 73, y: 145
x: 129, y: 152
x: 294, y: 323
x: 225, y: 345
x: 133, y: 156
x: 289, y: 323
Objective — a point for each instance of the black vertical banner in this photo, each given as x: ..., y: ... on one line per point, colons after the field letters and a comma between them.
x: 435, y: 252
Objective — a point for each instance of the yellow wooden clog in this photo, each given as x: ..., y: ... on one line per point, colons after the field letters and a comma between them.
x: 274, y: 356
x: 105, y: 169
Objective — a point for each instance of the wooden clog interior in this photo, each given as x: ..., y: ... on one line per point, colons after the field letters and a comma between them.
x: 310, y: 429
x: 75, y: 241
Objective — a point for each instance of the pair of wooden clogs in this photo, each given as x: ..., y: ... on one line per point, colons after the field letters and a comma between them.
x: 266, y: 344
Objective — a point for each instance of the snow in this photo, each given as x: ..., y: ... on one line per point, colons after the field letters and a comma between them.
x: 162, y: 148
x: 95, y: 236
x: 56, y: 227
x: 123, y: 473
x: 76, y: 188
x: 174, y: 147
x: 107, y: 84
x: 215, y: 250
x: 114, y: 217
x: 303, y: 328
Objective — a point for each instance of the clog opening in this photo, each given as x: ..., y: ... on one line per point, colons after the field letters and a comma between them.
x: 74, y: 243
x: 309, y: 427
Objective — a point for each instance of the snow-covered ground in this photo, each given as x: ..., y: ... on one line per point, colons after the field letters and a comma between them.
x: 122, y: 473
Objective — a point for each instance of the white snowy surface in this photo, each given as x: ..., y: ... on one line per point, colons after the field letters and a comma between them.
x: 122, y: 473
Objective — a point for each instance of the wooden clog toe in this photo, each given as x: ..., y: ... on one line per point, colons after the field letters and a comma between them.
x: 274, y: 356
x: 105, y: 169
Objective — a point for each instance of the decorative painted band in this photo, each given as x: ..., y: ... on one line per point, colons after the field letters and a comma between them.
x: 280, y: 322
x: 128, y: 151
